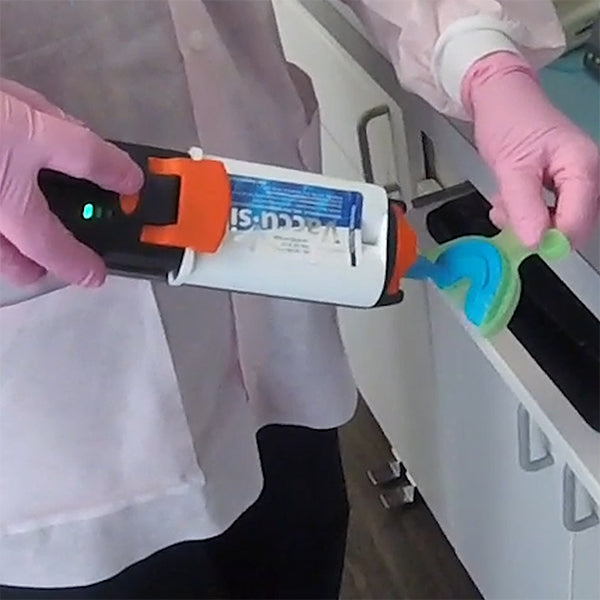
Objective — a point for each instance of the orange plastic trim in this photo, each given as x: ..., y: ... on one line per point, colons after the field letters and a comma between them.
x: 406, y: 250
x: 204, y: 205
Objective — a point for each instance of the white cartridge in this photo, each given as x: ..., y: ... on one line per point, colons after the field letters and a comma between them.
x: 296, y: 235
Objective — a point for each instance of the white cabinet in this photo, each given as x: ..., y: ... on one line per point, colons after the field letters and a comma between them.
x: 505, y: 523
x: 586, y: 557
x: 388, y: 348
x: 449, y: 403
x: 345, y: 92
x: 335, y: 162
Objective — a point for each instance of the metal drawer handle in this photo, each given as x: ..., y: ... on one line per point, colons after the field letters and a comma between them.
x: 570, y: 520
x: 365, y: 148
x: 363, y: 139
x: 524, y: 435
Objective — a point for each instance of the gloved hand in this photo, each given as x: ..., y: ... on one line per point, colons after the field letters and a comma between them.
x: 34, y: 134
x: 529, y: 144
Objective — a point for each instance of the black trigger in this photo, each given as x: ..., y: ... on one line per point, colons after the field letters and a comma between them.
x: 160, y: 200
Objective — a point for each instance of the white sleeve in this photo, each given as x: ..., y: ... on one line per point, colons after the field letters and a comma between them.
x: 462, y: 44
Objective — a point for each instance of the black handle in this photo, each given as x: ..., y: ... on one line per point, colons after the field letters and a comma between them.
x: 95, y: 217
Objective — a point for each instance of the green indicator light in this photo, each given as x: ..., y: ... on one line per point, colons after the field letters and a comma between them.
x: 88, y: 211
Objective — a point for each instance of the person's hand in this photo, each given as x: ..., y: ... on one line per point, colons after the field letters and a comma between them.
x: 34, y: 134
x: 530, y: 145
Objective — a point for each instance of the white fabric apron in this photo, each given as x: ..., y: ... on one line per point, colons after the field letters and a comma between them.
x: 128, y: 414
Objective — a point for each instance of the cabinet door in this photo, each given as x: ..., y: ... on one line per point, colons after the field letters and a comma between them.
x: 345, y: 92
x: 388, y: 347
x: 586, y: 559
x: 505, y: 523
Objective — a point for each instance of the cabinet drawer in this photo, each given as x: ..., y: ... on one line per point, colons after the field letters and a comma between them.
x: 387, y: 348
x: 502, y: 508
x: 586, y: 558
x: 504, y: 522
x: 534, y: 355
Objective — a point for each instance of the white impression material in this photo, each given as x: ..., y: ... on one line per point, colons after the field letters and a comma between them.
x: 296, y: 235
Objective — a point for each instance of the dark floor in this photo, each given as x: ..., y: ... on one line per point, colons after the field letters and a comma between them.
x: 400, y: 553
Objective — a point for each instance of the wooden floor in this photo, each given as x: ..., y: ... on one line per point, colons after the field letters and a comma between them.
x: 392, y: 554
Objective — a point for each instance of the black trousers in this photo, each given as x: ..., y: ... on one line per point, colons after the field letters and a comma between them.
x: 289, y: 544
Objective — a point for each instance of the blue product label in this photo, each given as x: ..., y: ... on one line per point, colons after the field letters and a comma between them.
x: 295, y: 218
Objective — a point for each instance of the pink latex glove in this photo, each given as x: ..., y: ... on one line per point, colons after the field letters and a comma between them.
x: 35, y: 134
x: 530, y: 145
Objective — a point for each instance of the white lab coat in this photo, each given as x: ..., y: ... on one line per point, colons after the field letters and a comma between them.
x: 128, y: 414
